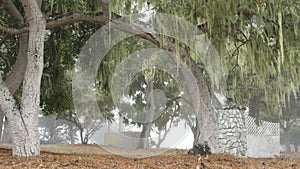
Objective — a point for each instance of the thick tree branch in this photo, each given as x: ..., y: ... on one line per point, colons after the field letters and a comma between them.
x: 10, y: 107
x: 167, y: 129
x: 77, y: 17
x: 15, y: 77
x: 9, y: 6
x: 7, y: 102
x: 189, y: 123
x: 40, y: 3
x: 14, y: 31
x: 135, y: 29
x: 68, y: 19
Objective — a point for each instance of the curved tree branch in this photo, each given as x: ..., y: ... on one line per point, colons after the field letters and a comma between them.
x: 65, y: 20
x: 15, y: 78
x: 76, y: 17
x: 12, y: 10
x: 14, y: 31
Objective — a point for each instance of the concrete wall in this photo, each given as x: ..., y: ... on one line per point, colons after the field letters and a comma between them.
x: 263, y: 146
x: 263, y: 141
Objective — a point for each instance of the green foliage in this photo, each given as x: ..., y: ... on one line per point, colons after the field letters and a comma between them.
x: 59, y: 7
x: 267, y: 60
x: 61, y: 50
x: 137, y: 92
x: 258, y: 44
x: 292, y: 110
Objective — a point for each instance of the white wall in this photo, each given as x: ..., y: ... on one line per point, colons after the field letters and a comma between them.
x: 263, y: 146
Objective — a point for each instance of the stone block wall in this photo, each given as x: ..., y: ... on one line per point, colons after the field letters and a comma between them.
x: 232, y: 132
x: 238, y: 134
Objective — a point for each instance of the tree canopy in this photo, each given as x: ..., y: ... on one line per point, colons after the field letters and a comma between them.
x: 257, y: 42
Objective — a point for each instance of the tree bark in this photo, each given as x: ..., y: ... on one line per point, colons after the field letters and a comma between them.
x: 287, y: 140
x: 161, y: 138
x: 16, y: 122
x: 52, y: 130
x: 23, y: 120
x: 6, y: 136
x: 254, y: 108
x: 71, y: 130
x: 286, y: 133
x: 16, y: 76
x: 147, y: 125
x: 1, y: 125
x: 206, y: 120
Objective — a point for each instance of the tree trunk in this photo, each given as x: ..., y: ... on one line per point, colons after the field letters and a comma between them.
x: 83, y: 137
x: 161, y: 138
x: 21, y: 134
x: 23, y: 120
x: 145, y: 134
x: 16, y: 76
x: 52, y: 130
x: 254, y: 108
x: 6, y: 135
x: 286, y: 134
x: 196, y: 132
x: 72, y: 132
x: 206, y: 120
x: 287, y: 141
x: 1, y: 125
x: 147, y: 125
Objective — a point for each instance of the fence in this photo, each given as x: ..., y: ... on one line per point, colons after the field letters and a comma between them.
x: 263, y: 141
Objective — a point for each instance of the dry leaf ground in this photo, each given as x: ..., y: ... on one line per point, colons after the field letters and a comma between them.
x: 93, y: 156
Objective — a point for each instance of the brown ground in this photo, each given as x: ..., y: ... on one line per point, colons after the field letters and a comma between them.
x: 92, y: 156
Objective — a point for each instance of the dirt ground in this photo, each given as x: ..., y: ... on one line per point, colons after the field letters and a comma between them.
x: 93, y: 156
